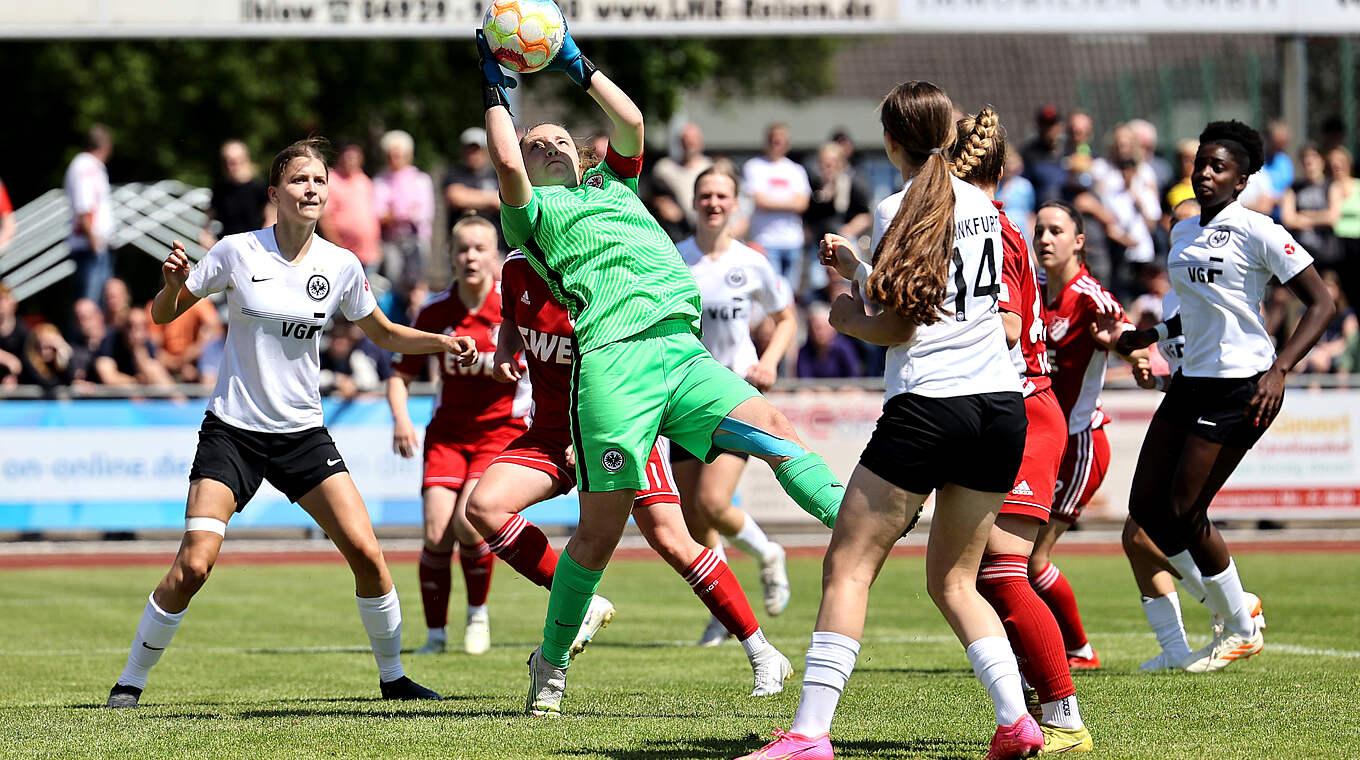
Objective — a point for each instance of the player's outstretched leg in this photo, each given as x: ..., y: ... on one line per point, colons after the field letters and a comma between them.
x: 713, y: 582
x: 210, y: 505
x: 1057, y: 593
x: 338, y: 510
x: 757, y: 428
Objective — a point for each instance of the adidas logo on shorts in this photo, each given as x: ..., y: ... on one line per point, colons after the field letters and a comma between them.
x: 524, y: 299
x: 1022, y: 489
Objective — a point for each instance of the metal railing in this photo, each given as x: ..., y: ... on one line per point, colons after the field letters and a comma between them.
x: 148, y: 216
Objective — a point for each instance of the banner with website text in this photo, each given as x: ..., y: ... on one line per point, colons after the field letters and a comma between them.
x: 649, y: 18
x: 111, y: 465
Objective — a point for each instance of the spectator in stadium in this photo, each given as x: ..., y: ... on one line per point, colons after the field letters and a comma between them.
x: 1017, y: 193
x: 128, y: 357
x: 1308, y: 210
x: 7, y: 223
x: 1180, y: 190
x: 779, y: 189
x: 240, y: 202
x: 672, y: 183
x: 1145, y: 135
x: 839, y: 205
x: 842, y: 138
x: 351, y: 219
x: 190, y: 347
x: 1340, y: 332
x: 13, y: 340
x: 827, y: 353
x: 1043, y: 155
x: 345, y: 370
x: 1345, y: 197
x: 1081, y: 133
x: 1127, y: 187
x: 86, y: 339
x: 48, y: 360
x: 87, y: 190
x: 1279, y: 168
x: 117, y: 301
x: 405, y: 205
x: 470, y: 186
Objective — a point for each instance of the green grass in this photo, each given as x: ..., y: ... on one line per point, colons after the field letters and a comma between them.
x: 271, y: 662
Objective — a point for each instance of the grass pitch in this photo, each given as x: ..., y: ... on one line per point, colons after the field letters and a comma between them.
x: 272, y: 662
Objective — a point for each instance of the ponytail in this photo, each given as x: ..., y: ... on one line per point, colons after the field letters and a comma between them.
x: 911, y: 263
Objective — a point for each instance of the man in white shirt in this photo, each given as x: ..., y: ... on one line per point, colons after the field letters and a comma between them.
x: 780, y: 192
x: 87, y: 190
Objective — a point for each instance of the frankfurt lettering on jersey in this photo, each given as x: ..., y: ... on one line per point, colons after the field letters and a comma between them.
x: 277, y: 309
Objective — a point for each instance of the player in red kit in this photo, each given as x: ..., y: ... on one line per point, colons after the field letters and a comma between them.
x: 536, y: 466
x: 1003, y: 578
x: 474, y: 418
x: 1084, y: 321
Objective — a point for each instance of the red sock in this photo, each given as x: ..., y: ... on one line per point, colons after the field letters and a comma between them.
x: 716, y: 586
x: 1004, y: 582
x: 435, y: 580
x: 1057, y: 593
x: 524, y: 547
x: 477, y: 561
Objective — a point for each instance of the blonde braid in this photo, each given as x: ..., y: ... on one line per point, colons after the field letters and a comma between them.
x: 979, y: 149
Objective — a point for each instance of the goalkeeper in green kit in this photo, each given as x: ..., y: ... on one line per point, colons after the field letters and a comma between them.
x: 640, y: 370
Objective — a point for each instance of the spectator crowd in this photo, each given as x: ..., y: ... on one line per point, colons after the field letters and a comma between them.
x: 1126, y: 184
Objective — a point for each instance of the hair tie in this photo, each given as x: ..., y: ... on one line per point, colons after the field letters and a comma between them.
x: 937, y: 151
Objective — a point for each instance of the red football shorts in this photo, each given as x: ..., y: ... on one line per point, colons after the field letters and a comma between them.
x: 1082, y: 472
x: 450, y: 464
x: 546, y: 451
x: 1045, y: 442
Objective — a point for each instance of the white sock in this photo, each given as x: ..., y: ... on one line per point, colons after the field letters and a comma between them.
x: 751, y: 539
x: 439, y: 634
x: 755, y: 644
x: 382, y: 620
x: 830, y: 661
x: 994, y: 665
x: 1225, y: 597
x: 154, y: 632
x: 1163, y: 615
x: 1063, y: 713
x: 478, y: 610
x: 1084, y: 650
x: 1191, y: 579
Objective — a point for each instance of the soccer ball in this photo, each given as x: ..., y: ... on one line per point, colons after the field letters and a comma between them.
x: 524, y: 35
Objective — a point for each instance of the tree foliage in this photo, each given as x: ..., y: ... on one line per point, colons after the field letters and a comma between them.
x: 171, y: 103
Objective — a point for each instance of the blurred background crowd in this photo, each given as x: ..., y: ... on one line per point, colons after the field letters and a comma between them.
x: 394, y: 216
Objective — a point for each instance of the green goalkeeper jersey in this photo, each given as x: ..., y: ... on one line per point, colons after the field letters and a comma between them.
x: 603, y: 255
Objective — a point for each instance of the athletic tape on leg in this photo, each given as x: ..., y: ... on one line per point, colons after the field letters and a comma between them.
x: 735, y: 435
x: 209, y: 524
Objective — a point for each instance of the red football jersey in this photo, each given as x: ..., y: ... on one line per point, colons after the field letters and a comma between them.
x: 549, y: 340
x: 1078, y: 361
x: 1020, y: 296
x: 470, y: 401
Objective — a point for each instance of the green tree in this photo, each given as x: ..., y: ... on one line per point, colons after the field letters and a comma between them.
x: 171, y: 103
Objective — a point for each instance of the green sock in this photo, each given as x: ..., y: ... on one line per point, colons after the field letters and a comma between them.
x: 809, y: 482
x: 572, y: 589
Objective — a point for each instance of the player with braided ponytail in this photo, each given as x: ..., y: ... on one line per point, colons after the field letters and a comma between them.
x: 979, y: 158
x: 953, y: 423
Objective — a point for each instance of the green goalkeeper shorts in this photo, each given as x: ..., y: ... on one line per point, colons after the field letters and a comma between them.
x: 623, y: 394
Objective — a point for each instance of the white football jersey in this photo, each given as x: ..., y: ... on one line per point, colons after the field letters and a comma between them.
x: 1220, y: 273
x: 965, y: 353
x: 270, y: 376
x: 1171, y: 349
x: 737, y: 287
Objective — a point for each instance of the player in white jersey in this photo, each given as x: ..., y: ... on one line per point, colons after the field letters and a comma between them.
x: 734, y: 282
x: 264, y: 419
x: 1231, y: 380
x: 953, y: 423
